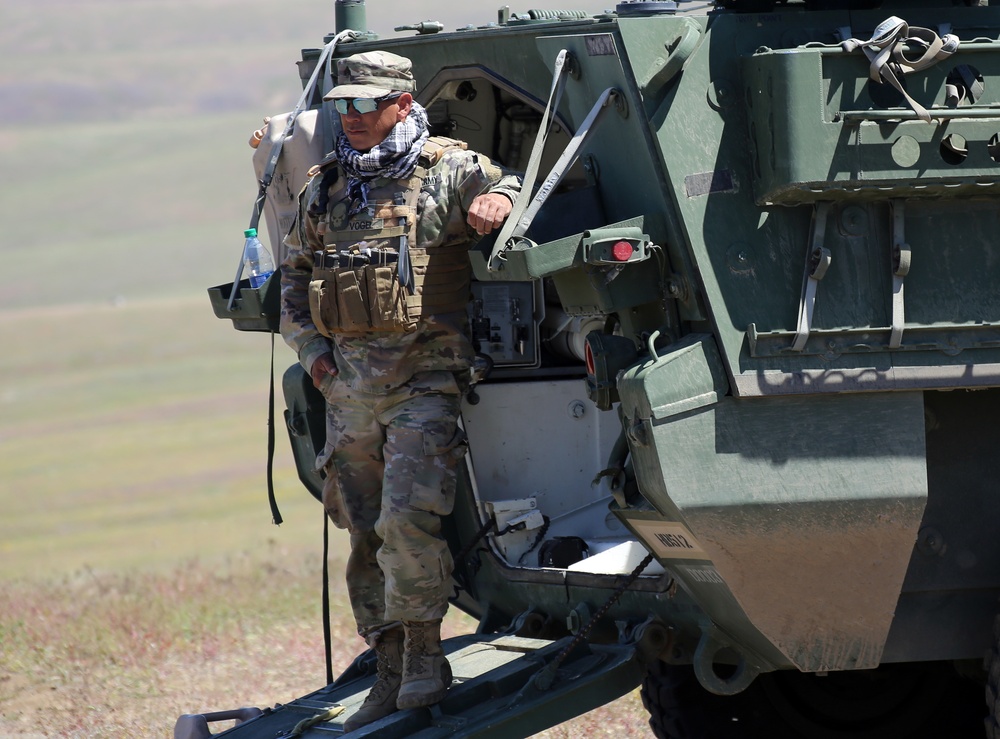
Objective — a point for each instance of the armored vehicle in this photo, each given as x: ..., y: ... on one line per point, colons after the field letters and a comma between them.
x: 740, y: 359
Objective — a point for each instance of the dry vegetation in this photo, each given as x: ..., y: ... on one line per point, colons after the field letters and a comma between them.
x: 140, y: 577
x: 125, y: 654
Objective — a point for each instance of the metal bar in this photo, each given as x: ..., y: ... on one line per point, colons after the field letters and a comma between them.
x: 838, y: 50
x: 860, y: 116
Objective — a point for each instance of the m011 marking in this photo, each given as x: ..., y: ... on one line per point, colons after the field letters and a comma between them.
x: 674, y: 541
x: 669, y: 539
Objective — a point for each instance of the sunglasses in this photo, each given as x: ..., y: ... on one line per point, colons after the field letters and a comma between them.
x: 362, y: 105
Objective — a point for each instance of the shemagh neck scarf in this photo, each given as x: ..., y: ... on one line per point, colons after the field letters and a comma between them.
x: 395, y: 158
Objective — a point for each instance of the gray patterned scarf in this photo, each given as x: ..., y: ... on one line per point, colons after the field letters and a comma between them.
x: 395, y: 158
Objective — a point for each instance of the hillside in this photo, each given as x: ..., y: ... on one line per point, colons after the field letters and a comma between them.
x: 140, y: 575
x: 126, y: 172
x: 104, y: 60
x: 109, y: 60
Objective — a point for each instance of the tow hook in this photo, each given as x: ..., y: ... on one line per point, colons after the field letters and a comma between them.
x: 652, y: 638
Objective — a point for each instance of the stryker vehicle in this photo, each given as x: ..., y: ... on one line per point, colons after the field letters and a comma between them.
x: 740, y: 356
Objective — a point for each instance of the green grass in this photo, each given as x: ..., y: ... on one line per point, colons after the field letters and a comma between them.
x: 137, y: 211
x: 140, y: 575
x: 136, y: 437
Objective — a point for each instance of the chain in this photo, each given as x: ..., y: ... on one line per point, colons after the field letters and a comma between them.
x: 544, y: 679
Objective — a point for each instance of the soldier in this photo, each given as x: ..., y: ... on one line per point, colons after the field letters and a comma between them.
x: 373, y: 299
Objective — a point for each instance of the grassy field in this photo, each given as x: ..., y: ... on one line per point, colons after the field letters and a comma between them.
x: 140, y: 575
x: 132, y: 435
x: 136, y: 212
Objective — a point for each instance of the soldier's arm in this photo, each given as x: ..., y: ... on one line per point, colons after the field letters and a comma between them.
x: 487, y: 191
x: 296, y: 323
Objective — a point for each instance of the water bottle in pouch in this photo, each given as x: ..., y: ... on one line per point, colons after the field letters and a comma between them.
x: 258, y: 264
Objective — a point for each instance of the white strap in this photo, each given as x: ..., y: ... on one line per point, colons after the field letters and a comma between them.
x: 900, y: 268
x: 818, y: 261
x: 517, y: 229
x: 531, y: 171
x: 886, y: 52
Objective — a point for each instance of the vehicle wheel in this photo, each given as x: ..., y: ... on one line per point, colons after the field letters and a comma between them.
x: 906, y: 701
x: 679, y: 708
x: 992, y: 667
x: 895, y: 701
x: 749, y: 6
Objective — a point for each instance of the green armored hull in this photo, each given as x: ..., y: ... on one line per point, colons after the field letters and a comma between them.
x: 744, y: 340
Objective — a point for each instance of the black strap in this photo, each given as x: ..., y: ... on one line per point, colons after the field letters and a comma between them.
x: 275, y: 513
x: 327, y: 639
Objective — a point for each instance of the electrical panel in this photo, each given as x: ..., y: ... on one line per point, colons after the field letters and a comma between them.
x: 504, y: 324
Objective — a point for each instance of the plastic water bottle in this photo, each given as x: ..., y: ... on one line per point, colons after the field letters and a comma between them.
x: 258, y: 264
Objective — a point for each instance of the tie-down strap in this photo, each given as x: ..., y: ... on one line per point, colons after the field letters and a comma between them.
x: 900, y: 267
x: 525, y: 206
x: 819, y: 258
x: 887, y: 52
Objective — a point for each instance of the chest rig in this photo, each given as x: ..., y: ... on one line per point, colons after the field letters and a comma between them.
x: 371, y: 275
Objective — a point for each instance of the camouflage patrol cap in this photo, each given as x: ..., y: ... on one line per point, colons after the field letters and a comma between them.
x: 372, y: 74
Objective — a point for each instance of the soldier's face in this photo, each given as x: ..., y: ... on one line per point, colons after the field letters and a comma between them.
x: 365, y: 130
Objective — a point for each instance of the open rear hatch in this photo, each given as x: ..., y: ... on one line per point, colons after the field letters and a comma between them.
x: 503, y: 686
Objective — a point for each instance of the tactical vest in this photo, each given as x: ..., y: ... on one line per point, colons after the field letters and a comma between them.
x: 370, y: 275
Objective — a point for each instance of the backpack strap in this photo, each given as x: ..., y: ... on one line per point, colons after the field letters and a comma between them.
x: 328, y: 161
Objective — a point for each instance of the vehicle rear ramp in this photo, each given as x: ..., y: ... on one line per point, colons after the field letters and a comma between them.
x: 503, y: 686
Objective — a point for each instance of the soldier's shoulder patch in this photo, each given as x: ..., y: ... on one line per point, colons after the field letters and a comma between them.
x: 338, y: 214
x: 492, y: 171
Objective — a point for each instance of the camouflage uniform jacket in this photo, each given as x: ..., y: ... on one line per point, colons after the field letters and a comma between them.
x: 379, y: 362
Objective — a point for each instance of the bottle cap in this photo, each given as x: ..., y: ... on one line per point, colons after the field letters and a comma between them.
x: 250, y: 232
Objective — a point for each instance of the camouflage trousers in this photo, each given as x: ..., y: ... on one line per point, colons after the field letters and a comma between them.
x: 391, y: 464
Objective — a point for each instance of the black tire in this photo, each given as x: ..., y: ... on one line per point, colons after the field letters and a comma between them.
x: 991, y: 665
x: 679, y: 708
x: 907, y: 701
x: 749, y: 6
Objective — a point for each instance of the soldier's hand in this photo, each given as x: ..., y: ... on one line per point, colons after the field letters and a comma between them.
x: 323, y: 367
x: 488, y: 211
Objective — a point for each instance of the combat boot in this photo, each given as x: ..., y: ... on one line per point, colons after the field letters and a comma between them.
x: 381, y: 699
x: 426, y: 672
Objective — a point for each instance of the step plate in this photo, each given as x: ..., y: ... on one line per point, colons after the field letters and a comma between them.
x: 492, y: 694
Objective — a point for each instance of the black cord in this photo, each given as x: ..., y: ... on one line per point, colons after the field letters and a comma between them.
x: 538, y: 538
x: 460, y: 583
x: 327, y: 637
x: 275, y: 513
